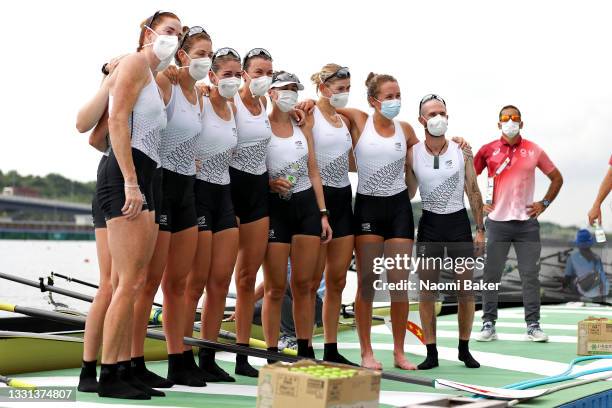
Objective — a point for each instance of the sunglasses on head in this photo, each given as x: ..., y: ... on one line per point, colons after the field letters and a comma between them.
x: 221, y: 52
x: 285, y: 77
x: 256, y: 52
x: 506, y: 118
x: 152, y: 19
x: 431, y: 97
x: 341, y: 73
x: 192, y: 31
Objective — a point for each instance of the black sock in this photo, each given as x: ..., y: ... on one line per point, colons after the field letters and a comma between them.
x: 124, y: 371
x: 87, y: 378
x: 302, y: 347
x: 110, y: 385
x: 242, y: 364
x: 189, y: 360
x: 208, y: 364
x: 178, y: 373
x: 274, y: 350
x: 432, y: 358
x: 140, y: 371
x: 330, y: 353
x: 311, y: 352
x: 466, y: 356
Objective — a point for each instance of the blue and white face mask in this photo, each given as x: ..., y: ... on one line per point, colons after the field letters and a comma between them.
x: 390, y: 108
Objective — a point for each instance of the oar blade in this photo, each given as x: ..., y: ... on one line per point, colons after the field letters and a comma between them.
x: 491, y: 392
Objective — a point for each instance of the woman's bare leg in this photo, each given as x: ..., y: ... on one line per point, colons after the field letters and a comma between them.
x: 339, y: 255
x: 275, y: 284
x: 180, y: 259
x: 304, y: 255
x: 225, y: 248
x: 251, y: 253
x: 366, y: 248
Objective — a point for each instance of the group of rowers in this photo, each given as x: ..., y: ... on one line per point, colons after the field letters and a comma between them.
x: 201, y: 182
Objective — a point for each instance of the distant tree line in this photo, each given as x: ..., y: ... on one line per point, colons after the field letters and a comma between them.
x: 54, y: 186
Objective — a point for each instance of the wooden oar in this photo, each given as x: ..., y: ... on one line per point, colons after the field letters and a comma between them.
x: 11, y: 382
x: 84, y: 283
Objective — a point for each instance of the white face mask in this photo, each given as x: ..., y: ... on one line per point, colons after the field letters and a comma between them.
x: 199, y: 67
x: 338, y: 100
x: 437, y: 125
x: 228, y: 87
x: 286, y: 100
x: 510, y: 128
x: 164, y: 46
x: 259, y: 86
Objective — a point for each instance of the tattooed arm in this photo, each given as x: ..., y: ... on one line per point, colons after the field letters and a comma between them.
x: 475, y: 198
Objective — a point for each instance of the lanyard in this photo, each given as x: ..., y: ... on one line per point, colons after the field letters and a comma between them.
x: 491, y: 180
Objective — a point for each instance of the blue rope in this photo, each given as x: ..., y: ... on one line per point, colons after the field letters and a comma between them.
x: 522, y: 385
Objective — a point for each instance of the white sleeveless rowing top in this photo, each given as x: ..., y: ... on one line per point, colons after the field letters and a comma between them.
x: 253, y: 137
x: 442, y: 188
x: 178, y: 139
x: 289, y: 156
x: 381, y: 161
x: 147, y: 120
x: 215, y: 145
x: 332, y: 148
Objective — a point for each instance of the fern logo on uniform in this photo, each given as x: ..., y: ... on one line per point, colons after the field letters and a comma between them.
x: 271, y: 234
x: 202, y: 221
x: 366, y: 227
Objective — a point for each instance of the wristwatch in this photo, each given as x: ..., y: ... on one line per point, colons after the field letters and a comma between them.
x: 480, y: 228
x: 324, y: 212
x: 545, y: 203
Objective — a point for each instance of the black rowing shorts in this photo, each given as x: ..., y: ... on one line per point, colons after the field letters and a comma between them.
x: 388, y: 217
x: 249, y: 195
x: 178, y: 209
x: 110, y: 188
x: 214, y: 208
x: 299, y: 215
x: 339, y: 203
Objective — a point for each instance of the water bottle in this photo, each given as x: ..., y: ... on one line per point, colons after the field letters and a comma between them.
x: 291, y: 177
x: 600, y: 235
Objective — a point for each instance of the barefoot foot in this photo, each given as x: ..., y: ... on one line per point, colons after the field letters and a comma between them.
x: 401, y: 362
x: 371, y: 363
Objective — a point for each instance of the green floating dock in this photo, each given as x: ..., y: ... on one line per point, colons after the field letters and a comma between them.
x: 507, y: 360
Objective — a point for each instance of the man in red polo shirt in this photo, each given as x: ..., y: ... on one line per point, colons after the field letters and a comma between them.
x: 512, y: 216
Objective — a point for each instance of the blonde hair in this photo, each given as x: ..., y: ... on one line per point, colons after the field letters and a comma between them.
x: 327, y: 71
x: 374, y: 82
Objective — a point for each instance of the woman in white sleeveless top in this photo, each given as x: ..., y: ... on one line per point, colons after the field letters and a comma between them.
x: 383, y: 214
x: 249, y: 185
x: 218, y: 230
x: 177, y: 237
x: 298, y: 217
x: 136, y: 117
x: 334, y: 152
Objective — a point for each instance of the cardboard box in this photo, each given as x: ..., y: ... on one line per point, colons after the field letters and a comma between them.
x: 594, y: 336
x: 280, y: 387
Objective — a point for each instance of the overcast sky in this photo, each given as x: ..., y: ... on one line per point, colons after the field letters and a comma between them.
x: 551, y: 58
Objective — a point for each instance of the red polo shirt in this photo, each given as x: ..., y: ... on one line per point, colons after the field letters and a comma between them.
x: 515, y: 185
